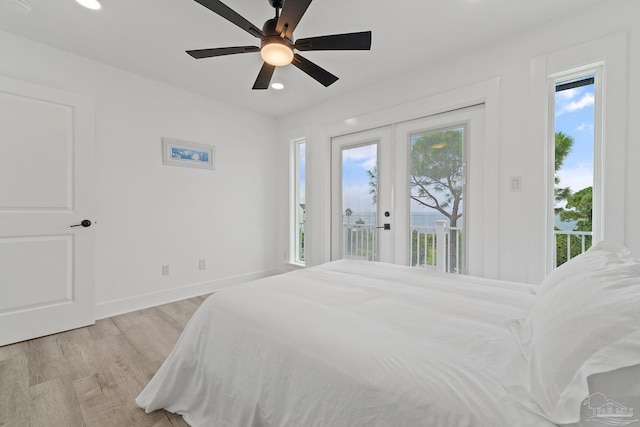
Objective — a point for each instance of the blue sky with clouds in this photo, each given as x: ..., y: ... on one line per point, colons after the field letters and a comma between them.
x: 574, y: 115
x: 356, y: 162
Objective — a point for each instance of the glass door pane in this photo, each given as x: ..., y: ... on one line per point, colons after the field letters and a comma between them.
x: 362, y: 224
x: 359, y: 202
x: 436, y: 192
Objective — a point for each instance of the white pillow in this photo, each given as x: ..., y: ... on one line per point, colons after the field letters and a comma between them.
x: 586, y: 324
x: 598, y: 257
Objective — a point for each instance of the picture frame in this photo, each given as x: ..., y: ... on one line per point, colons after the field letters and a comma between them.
x: 176, y: 152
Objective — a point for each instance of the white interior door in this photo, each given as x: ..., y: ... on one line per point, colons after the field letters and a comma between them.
x: 361, y: 204
x: 46, y: 170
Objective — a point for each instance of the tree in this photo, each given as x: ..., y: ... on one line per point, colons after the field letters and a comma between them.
x: 373, y: 183
x: 563, y: 146
x: 436, y: 178
x: 348, y: 213
x: 579, y: 208
x: 436, y: 173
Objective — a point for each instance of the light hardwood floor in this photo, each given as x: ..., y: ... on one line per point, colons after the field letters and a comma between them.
x: 91, y: 376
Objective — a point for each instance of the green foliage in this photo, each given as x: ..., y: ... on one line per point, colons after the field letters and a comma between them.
x: 575, y: 248
x: 563, y: 146
x: 301, y: 248
x: 579, y: 208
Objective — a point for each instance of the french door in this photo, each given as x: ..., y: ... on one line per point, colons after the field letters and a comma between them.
x: 401, y: 193
x: 361, y: 196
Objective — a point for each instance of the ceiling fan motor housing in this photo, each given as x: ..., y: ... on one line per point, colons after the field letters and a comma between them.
x: 269, y: 30
x: 271, y: 36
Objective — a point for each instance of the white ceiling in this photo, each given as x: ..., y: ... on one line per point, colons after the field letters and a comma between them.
x: 149, y: 37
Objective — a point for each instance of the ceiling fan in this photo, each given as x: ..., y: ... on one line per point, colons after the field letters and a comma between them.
x: 277, y: 43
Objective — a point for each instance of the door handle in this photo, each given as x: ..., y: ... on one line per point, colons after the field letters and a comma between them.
x: 85, y: 223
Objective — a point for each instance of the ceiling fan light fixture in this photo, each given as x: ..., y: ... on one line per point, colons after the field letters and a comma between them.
x: 276, y: 54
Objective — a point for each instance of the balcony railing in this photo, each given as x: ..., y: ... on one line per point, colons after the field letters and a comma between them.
x: 569, y: 244
x: 359, y: 241
x: 431, y: 247
x: 438, y: 247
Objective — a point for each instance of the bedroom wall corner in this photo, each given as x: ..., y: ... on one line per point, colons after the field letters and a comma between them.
x: 149, y: 214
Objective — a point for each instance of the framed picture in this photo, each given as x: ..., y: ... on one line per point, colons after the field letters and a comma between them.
x: 183, y: 153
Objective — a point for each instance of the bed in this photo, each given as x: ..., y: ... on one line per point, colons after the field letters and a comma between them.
x: 352, y: 343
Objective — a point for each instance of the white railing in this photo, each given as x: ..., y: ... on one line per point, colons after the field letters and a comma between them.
x: 569, y: 244
x: 430, y: 246
x: 359, y: 241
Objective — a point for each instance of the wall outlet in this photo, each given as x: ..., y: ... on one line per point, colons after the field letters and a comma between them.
x: 165, y: 269
x: 515, y: 183
x: 202, y: 264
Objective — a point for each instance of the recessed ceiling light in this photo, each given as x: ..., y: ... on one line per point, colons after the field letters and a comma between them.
x: 277, y: 86
x: 90, y: 4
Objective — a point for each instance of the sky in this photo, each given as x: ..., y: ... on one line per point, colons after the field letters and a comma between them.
x: 356, y: 162
x: 574, y: 115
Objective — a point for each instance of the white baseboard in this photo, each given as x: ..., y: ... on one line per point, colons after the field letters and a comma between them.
x: 127, y: 305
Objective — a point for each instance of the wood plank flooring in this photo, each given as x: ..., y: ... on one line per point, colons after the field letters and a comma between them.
x: 91, y: 376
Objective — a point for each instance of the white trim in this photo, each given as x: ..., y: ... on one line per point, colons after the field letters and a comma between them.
x: 127, y: 305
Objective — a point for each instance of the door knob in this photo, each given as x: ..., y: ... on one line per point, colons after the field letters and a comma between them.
x: 84, y: 223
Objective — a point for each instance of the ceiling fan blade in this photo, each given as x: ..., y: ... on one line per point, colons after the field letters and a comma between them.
x: 349, y: 41
x: 320, y: 74
x: 290, y: 16
x: 232, y: 16
x: 221, y: 51
x: 264, y: 76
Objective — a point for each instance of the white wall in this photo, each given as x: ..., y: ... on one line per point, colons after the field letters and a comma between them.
x: 149, y: 214
x: 517, y: 251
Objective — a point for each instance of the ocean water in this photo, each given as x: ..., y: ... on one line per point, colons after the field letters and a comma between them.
x: 429, y: 219
x: 369, y: 218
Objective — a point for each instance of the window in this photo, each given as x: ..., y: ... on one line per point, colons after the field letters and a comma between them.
x: 298, y: 203
x: 605, y: 60
x: 574, y: 164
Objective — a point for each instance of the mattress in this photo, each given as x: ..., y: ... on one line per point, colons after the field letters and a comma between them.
x: 352, y: 343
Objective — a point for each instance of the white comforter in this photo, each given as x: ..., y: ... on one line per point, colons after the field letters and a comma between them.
x: 351, y: 343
